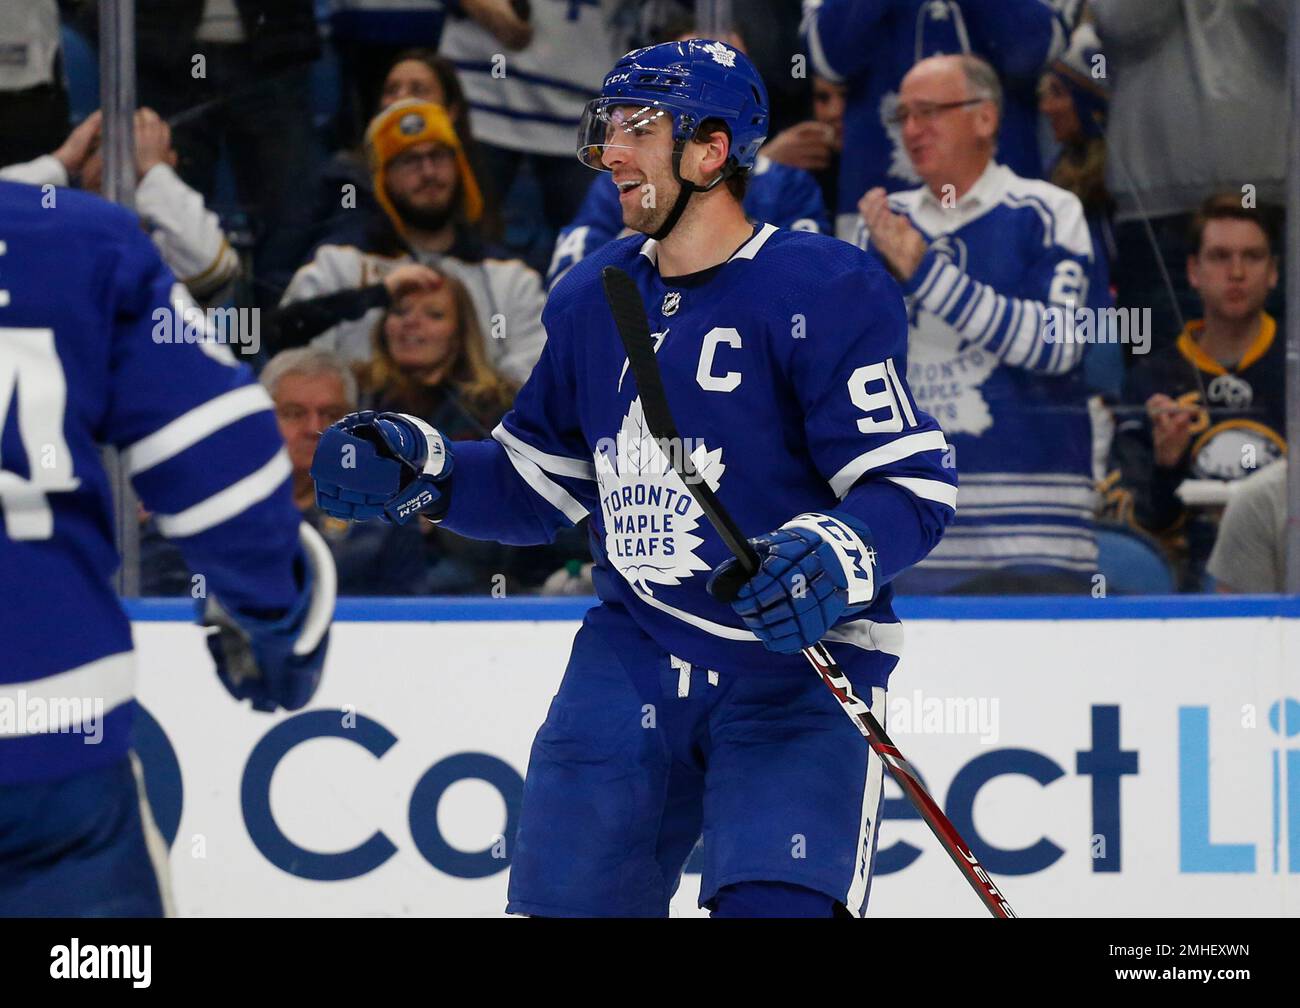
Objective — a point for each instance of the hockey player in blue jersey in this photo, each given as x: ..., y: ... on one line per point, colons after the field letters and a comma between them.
x: 87, y: 359
x: 783, y: 354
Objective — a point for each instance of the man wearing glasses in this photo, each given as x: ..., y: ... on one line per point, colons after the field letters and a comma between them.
x: 868, y: 45
x: 993, y: 267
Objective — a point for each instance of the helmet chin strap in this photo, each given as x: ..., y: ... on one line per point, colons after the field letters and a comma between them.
x: 684, y: 193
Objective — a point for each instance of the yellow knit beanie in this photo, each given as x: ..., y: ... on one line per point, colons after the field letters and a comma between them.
x: 404, y: 125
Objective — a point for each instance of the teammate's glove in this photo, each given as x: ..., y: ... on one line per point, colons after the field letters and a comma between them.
x: 277, y: 663
x: 813, y: 570
x: 382, y: 465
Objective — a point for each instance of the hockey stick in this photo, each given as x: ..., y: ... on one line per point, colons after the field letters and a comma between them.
x: 634, y: 330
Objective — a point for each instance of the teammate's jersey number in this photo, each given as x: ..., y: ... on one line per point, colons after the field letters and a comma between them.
x: 877, y: 392
x: 31, y: 371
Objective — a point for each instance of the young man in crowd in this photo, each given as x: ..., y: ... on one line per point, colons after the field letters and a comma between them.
x: 1213, y: 405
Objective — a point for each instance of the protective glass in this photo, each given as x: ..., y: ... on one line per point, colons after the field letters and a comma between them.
x: 614, y: 122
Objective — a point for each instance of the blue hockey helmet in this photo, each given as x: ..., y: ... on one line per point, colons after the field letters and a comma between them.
x: 690, y: 81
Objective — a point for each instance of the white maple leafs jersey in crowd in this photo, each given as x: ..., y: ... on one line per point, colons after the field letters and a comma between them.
x: 531, y: 99
x: 85, y: 302
x: 784, y: 368
x: 983, y: 361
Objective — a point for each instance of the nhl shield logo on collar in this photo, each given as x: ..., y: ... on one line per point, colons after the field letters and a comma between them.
x: 672, y: 300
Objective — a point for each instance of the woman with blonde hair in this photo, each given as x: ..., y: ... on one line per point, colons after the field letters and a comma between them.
x: 428, y: 360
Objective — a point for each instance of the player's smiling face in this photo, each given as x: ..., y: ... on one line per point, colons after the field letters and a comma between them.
x: 638, y: 153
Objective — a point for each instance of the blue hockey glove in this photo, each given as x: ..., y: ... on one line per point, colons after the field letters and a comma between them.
x: 382, y: 465
x: 813, y: 570
x: 277, y: 663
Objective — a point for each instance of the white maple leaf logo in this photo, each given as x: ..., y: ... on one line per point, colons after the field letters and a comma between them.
x: 721, y: 54
x: 650, y: 516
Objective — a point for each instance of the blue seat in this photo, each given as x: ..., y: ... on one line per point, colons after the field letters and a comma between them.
x: 1103, y: 368
x: 1132, y: 562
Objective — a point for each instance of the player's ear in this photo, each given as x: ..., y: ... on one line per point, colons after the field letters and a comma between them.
x: 717, y: 147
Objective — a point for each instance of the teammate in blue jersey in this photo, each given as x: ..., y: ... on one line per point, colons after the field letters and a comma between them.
x: 777, y: 193
x: 89, y: 356
x: 783, y: 354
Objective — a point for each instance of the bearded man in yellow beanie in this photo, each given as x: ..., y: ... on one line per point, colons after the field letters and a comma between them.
x: 432, y: 202
x: 421, y: 174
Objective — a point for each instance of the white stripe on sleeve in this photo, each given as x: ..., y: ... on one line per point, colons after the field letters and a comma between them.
x: 192, y: 427
x: 105, y: 684
x: 544, y: 487
x: 556, y: 465
x: 900, y: 448
x: 928, y: 489
x: 227, y: 503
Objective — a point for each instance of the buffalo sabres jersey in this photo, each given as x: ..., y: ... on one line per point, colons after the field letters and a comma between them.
x: 787, y: 197
x: 89, y: 356
x: 994, y: 356
x: 1240, y: 425
x: 784, y: 368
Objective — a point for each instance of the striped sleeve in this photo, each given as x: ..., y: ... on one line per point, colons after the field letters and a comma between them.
x: 200, y: 442
x: 1033, y: 326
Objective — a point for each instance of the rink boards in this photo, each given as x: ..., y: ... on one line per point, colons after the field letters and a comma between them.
x: 1102, y: 757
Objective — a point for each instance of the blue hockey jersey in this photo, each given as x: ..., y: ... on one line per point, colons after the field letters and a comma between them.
x: 985, y: 360
x: 778, y: 194
x: 784, y: 368
x: 869, y: 45
x: 89, y: 357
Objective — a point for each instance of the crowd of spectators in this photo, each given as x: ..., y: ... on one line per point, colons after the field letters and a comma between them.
x: 1081, y: 200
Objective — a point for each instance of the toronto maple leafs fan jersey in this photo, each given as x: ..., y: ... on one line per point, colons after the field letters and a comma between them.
x: 779, y: 194
x: 784, y: 369
x: 531, y: 99
x: 85, y: 311
x: 985, y: 360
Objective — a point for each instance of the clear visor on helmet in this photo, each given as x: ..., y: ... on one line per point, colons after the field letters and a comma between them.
x: 616, y: 123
